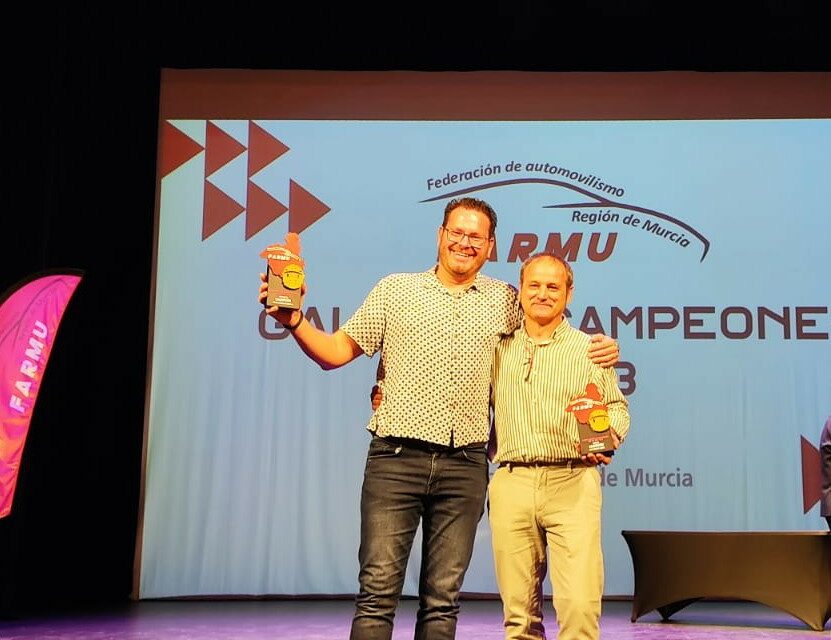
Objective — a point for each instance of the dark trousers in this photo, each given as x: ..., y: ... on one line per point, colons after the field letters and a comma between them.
x: 404, y: 483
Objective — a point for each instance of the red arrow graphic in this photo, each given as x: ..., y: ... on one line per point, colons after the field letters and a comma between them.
x: 304, y: 208
x: 220, y: 148
x: 811, y: 479
x: 177, y: 149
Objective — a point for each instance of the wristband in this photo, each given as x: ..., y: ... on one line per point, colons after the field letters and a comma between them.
x: 292, y: 327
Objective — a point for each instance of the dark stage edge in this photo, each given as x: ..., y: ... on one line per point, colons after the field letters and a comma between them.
x: 330, y: 619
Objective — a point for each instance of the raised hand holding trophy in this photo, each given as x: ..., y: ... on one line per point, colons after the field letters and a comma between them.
x: 285, y: 273
x: 592, y: 422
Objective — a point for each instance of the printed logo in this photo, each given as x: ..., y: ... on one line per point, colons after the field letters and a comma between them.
x: 599, y: 202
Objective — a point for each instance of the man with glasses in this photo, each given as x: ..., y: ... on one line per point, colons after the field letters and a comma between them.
x: 436, y: 331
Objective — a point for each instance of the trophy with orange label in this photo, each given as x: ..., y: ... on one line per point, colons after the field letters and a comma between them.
x: 593, y: 422
x: 285, y: 273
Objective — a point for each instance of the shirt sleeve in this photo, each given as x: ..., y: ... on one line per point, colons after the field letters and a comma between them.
x: 513, y: 311
x: 366, y: 326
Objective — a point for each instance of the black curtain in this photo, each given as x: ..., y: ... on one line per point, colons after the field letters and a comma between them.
x: 81, y: 98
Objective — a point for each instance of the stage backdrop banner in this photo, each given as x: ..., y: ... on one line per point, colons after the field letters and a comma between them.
x: 700, y: 244
x: 30, y: 313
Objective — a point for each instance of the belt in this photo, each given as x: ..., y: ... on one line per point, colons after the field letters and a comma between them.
x: 573, y: 462
x: 431, y: 447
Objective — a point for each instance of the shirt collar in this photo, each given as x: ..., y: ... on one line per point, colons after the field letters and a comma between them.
x: 556, y: 335
x: 429, y: 279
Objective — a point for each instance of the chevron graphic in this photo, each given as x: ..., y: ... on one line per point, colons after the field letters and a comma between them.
x: 811, y: 477
x: 304, y: 208
x: 220, y: 208
x: 220, y: 148
x: 177, y: 149
x: 263, y: 209
x: 263, y: 149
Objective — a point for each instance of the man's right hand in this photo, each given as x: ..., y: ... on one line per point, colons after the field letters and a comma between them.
x: 286, y: 317
x: 329, y: 350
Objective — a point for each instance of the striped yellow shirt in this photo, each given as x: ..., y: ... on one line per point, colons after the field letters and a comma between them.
x: 532, y: 385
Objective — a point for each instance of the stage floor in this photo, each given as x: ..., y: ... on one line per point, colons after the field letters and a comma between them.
x: 330, y: 619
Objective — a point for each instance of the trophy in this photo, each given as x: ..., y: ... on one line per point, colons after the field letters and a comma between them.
x: 592, y: 422
x: 285, y: 273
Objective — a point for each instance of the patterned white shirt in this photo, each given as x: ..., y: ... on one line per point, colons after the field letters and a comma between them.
x: 436, y: 354
x: 532, y: 385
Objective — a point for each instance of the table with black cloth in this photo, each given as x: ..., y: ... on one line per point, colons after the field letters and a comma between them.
x: 786, y: 570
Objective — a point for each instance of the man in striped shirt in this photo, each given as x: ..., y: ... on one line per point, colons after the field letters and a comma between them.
x: 544, y: 496
x: 436, y: 331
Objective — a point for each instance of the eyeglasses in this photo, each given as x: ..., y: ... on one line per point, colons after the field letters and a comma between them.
x: 477, y: 242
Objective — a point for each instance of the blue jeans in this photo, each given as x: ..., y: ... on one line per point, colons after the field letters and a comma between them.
x: 405, y: 483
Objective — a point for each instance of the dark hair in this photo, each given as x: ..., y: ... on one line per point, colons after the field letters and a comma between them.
x: 540, y: 256
x: 471, y: 203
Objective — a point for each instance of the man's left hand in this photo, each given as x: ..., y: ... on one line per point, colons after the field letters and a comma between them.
x: 595, y: 459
